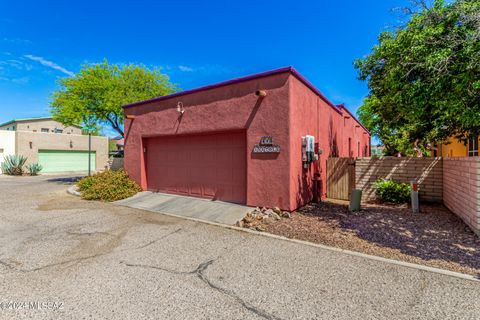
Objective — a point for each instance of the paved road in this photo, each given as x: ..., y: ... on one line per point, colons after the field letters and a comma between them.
x: 108, y: 262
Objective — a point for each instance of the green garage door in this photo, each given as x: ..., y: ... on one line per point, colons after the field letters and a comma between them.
x: 65, y: 160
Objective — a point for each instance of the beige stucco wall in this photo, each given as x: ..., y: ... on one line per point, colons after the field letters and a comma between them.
x: 7, y: 144
x: 28, y: 144
x: 38, y: 125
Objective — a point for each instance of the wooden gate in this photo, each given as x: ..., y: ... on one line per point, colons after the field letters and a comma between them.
x: 340, y: 178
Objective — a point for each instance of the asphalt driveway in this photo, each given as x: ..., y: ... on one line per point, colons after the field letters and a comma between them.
x: 101, y: 261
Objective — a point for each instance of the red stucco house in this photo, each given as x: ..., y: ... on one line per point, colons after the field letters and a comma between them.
x: 241, y: 140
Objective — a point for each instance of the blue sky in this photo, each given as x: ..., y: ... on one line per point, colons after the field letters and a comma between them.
x: 196, y: 42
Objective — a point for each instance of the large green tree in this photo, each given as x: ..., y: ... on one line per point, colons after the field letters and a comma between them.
x: 424, y: 78
x: 96, y: 94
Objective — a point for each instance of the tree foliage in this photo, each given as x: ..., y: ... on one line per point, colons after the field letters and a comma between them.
x: 95, y: 95
x: 424, y: 78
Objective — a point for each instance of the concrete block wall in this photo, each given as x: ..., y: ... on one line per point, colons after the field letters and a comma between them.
x: 29, y: 143
x: 427, y: 171
x: 461, y: 189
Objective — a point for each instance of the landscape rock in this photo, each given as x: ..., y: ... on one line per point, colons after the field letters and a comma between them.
x: 268, y: 220
x: 260, y: 228
x: 258, y: 218
x: 285, y: 214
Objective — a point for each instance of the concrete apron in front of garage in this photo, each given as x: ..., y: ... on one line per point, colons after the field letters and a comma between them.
x: 198, y: 208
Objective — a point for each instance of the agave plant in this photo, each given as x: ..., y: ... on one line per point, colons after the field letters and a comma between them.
x: 13, y: 165
x: 34, y: 168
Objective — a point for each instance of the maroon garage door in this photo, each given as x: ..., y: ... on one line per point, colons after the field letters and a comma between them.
x: 209, y: 166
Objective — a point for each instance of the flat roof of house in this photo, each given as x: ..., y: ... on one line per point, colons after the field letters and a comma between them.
x: 290, y: 69
x: 29, y: 119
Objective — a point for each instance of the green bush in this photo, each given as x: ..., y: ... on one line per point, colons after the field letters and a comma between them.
x: 13, y: 165
x: 108, y: 186
x: 392, y: 191
x: 34, y: 168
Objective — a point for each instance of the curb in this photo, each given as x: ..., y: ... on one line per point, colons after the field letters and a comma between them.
x: 321, y: 246
x: 73, y: 190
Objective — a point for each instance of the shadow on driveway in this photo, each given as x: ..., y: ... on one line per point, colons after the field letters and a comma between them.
x: 65, y: 180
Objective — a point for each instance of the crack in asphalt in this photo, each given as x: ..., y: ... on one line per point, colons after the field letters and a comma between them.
x: 199, y: 272
x: 80, y: 259
x: 6, y: 264
x: 157, y: 240
x: 89, y: 233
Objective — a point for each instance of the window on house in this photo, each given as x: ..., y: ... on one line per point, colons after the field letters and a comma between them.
x: 44, y: 130
x: 365, y: 151
x: 358, y: 149
x: 58, y: 131
x: 473, y: 147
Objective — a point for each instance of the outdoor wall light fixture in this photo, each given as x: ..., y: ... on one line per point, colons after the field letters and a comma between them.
x: 261, y: 93
x: 180, y: 108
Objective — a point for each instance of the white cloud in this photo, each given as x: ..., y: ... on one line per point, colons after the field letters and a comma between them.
x: 185, y: 69
x: 49, y: 64
x: 17, y: 64
x: 17, y: 40
x: 21, y: 80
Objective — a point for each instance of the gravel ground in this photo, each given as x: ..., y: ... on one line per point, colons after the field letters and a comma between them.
x: 435, y: 237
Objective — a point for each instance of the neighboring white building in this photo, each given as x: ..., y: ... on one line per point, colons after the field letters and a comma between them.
x: 55, y: 147
x: 7, y: 144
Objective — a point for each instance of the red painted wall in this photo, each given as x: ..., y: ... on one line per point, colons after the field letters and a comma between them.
x: 289, y: 111
x: 332, y: 128
x: 232, y: 107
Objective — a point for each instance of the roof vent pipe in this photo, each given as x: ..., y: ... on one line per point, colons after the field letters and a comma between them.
x: 261, y: 93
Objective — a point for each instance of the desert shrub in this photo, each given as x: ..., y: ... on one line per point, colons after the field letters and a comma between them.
x: 13, y: 165
x: 34, y: 168
x: 392, y: 191
x: 108, y: 186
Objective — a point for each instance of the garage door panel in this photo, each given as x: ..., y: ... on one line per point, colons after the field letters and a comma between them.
x: 209, y: 191
x: 210, y: 166
x: 224, y: 175
x: 65, y: 160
